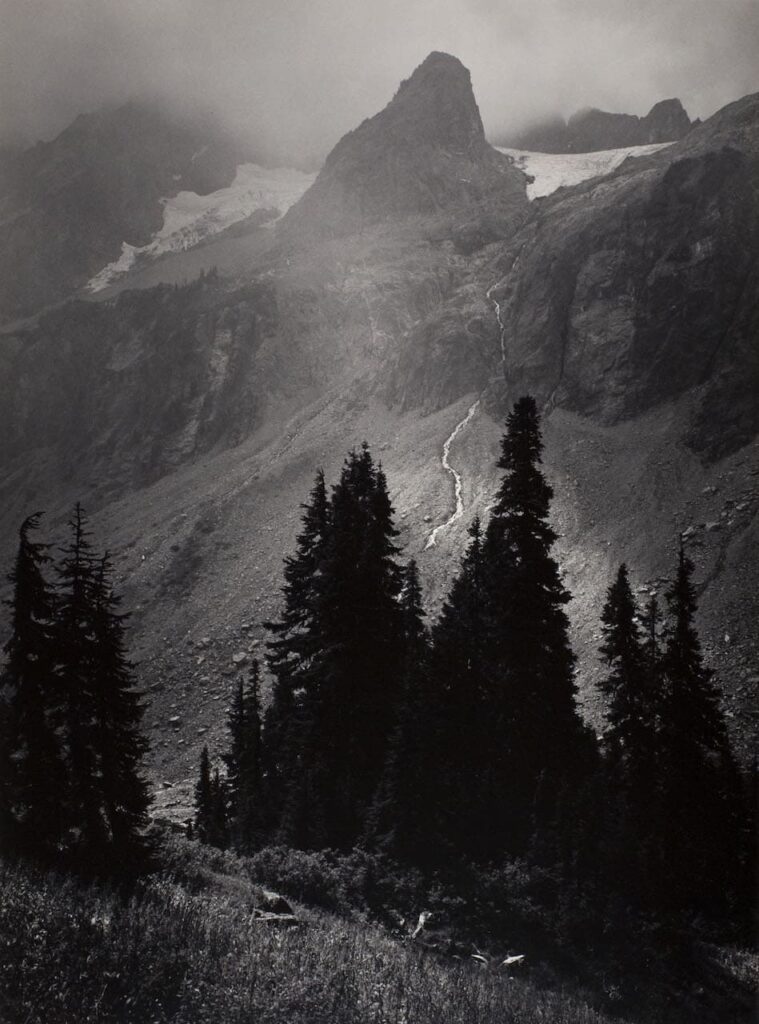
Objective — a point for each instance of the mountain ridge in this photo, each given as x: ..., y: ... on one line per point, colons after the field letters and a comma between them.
x: 591, y: 130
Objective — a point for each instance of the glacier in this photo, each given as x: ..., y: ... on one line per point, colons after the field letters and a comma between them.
x: 189, y: 218
x: 551, y: 171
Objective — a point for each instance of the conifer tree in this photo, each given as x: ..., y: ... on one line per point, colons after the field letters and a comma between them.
x: 73, y: 742
x: 31, y: 776
x: 460, y: 754
x: 538, y: 737
x: 204, y: 798
x: 631, y: 740
x: 700, y: 783
x: 652, y: 643
x: 219, y: 836
x: 631, y: 708
x: 243, y: 762
x: 291, y: 649
x: 337, y: 663
x: 399, y: 822
x: 119, y: 744
x: 77, y: 654
x: 354, y: 680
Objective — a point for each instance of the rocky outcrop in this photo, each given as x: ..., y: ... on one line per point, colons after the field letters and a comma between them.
x: 424, y: 154
x: 590, y: 130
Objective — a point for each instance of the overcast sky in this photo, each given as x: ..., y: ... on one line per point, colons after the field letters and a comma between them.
x: 302, y: 72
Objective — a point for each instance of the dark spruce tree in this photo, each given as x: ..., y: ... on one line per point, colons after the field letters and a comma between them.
x: 355, y: 675
x: 219, y: 812
x: 348, y: 653
x: 74, y: 748
x: 243, y: 762
x: 400, y: 822
x: 538, y: 747
x: 458, y: 754
x: 77, y: 655
x: 203, y: 824
x: 32, y: 790
x: 118, y: 711
x: 107, y: 798
x: 293, y: 643
x: 631, y: 687
x: 701, y: 804
x: 631, y: 701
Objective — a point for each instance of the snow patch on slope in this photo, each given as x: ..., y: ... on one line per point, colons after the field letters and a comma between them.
x: 551, y: 171
x: 189, y: 218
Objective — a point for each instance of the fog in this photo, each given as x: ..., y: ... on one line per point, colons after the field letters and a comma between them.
x: 294, y: 75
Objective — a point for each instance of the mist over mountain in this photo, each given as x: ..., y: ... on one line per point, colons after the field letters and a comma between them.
x: 292, y: 82
x: 590, y: 130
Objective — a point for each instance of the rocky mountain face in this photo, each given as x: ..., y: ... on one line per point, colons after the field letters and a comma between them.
x: 424, y: 154
x: 646, y: 280
x: 394, y: 304
x: 590, y: 130
x: 66, y: 206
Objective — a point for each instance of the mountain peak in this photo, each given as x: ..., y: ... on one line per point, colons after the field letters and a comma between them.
x: 424, y: 153
x: 437, y: 104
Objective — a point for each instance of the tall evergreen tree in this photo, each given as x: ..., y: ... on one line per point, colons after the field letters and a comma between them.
x: 243, y: 762
x: 631, y: 700
x: 341, y: 662
x: 78, y: 656
x: 210, y: 824
x: 539, y: 740
x: 459, y: 752
x: 119, y: 744
x: 355, y: 675
x: 219, y: 836
x: 204, y: 800
x: 294, y: 641
x: 74, y: 746
x: 399, y: 822
x: 630, y: 686
x: 32, y: 791
x: 701, y: 831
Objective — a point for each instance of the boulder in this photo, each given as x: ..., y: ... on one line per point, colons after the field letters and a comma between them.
x: 273, y: 903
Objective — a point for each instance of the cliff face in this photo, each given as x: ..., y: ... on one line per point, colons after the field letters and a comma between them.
x: 424, y: 154
x: 632, y: 290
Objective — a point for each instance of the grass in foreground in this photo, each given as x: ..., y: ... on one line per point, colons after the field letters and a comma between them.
x: 183, y: 947
x: 182, y: 951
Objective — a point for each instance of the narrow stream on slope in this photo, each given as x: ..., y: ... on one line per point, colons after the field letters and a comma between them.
x: 445, y: 459
x: 457, y: 484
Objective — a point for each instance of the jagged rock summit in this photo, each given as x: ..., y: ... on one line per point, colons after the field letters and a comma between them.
x: 425, y: 153
x: 591, y: 130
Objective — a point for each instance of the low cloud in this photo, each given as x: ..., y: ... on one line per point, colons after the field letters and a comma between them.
x: 294, y: 75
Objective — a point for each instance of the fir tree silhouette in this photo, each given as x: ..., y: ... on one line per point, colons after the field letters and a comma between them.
x: 32, y: 783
